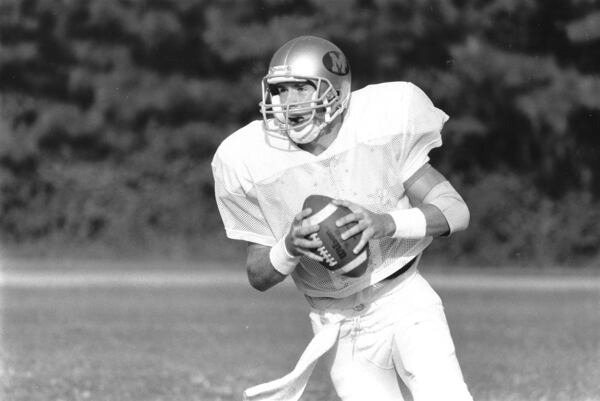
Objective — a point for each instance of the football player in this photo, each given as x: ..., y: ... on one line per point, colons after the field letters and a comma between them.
x: 368, y: 149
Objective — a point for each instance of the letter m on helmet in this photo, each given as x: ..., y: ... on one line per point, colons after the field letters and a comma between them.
x: 336, y: 63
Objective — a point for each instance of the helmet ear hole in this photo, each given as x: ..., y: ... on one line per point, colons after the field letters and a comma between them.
x: 333, y: 95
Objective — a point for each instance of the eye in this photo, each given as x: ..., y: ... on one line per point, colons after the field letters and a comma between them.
x: 306, y: 89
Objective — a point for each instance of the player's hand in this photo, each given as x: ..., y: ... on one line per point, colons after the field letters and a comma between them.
x: 296, y: 242
x: 371, y: 225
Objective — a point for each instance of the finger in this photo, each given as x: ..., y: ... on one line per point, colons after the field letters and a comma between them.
x: 356, y: 229
x: 340, y: 202
x: 302, y: 215
x: 304, y: 231
x: 349, y: 218
x: 350, y: 205
x: 306, y: 243
x: 311, y: 255
x: 364, y: 240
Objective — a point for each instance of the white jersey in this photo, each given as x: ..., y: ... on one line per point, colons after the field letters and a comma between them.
x: 262, y: 179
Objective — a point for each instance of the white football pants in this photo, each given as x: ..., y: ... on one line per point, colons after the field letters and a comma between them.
x: 393, y: 328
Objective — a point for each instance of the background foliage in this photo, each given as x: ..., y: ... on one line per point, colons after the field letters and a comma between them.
x: 111, y: 111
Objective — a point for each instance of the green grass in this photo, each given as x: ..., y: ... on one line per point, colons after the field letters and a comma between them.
x: 206, y: 343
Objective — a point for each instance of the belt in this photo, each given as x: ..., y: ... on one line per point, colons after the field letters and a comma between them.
x: 402, y: 270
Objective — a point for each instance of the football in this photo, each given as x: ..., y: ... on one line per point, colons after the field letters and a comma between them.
x: 337, y: 253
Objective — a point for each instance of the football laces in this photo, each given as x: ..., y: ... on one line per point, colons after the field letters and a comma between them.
x: 324, y: 253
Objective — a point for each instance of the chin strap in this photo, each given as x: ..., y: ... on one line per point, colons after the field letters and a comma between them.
x: 312, y: 132
x: 321, y: 129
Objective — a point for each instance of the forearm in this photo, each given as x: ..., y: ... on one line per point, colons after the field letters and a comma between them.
x: 261, y: 273
x: 437, y: 210
x: 447, y: 204
x: 436, y: 222
x: 260, y: 260
x: 267, y: 266
x: 442, y: 215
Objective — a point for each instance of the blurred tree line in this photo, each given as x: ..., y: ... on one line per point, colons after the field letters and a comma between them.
x: 112, y: 110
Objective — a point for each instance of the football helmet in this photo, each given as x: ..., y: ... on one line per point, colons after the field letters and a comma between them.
x: 306, y: 59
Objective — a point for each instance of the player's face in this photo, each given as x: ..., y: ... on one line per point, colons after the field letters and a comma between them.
x: 296, y: 93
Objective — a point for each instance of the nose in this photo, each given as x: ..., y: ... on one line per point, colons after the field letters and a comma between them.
x: 292, y: 96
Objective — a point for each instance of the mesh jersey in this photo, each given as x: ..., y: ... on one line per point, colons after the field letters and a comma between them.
x: 262, y: 179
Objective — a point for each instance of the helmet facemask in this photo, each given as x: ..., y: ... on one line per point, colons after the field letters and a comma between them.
x: 316, y: 113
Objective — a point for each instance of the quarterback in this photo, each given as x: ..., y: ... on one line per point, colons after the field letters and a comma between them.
x: 368, y: 150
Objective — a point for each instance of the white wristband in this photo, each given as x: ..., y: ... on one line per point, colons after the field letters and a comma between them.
x: 410, y: 223
x: 281, y: 259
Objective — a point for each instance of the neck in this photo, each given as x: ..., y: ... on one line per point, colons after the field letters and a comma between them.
x: 325, y: 139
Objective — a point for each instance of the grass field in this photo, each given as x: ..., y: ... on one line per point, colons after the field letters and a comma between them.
x: 183, y: 336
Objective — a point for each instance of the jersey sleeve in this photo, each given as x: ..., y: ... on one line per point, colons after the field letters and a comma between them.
x: 424, y: 126
x: 238, y: 205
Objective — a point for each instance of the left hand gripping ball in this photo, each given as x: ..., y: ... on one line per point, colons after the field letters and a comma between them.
x: 337, y: 253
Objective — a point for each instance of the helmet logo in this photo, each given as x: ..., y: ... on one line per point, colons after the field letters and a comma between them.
x: 280, y: 69
x: 336, y: 63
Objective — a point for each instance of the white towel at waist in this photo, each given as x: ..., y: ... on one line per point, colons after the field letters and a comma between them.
x: 291, y: 386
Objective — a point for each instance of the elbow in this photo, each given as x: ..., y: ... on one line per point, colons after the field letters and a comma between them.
x: 257, y: 280
x: 258, y: 285
x: 455, y: 211
x: 261, y: 274
x: 463, y: 217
